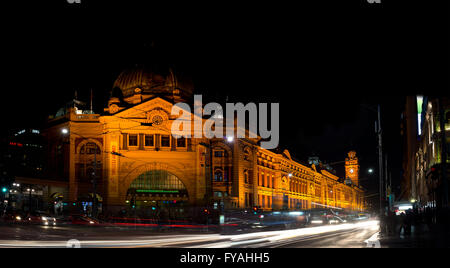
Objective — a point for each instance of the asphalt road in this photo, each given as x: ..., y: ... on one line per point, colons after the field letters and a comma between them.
x: 344, y: 235
x: 353, y: 238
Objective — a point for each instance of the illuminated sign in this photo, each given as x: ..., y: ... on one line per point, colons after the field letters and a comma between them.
x: 406, y: 207
x: 419, y: 100
x: 157, y: 191
x: 16, y: 144
x: 296, y: 213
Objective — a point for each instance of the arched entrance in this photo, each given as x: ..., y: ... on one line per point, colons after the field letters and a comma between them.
x: 158, y: 194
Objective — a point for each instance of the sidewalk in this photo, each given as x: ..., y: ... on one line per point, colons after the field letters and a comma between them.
x: 422, y: 236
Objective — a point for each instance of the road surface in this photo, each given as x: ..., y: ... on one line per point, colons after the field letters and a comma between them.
x: 343, y: 235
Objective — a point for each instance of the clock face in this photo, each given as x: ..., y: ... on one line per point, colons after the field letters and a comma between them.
x: 113, y: 108
x: 157, y: 120
x: 351, y: 170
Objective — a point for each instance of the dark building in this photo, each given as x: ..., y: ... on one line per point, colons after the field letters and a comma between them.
x: 25, y: 181
x: 425, y: 154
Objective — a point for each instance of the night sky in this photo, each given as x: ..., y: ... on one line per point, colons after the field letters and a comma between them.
x: 325, y: 62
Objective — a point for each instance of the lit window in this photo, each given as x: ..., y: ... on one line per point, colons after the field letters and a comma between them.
x: 132, y: 140
x: 165, y: 141
x: 246, y: 176
x: 181, y: 142
x: 218, y: 175
x: 247, y: 154
x: 149, y: 140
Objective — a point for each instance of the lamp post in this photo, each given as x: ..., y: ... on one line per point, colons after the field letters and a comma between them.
x: 29, y: 190
x: 378, y: 131
x: 380, y: 166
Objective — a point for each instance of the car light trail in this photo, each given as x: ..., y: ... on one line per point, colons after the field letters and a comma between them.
x: 206, y: 240
x: 275, y: 236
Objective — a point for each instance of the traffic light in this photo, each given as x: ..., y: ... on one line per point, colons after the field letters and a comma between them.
x: 255, y: 210
x: 4, y: 190
x: 435, y: 172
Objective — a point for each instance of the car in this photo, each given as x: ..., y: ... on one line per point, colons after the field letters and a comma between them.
x: 16, y: 217
x: 336, y: 220
x: 317, y: 220
x: 40, y: 218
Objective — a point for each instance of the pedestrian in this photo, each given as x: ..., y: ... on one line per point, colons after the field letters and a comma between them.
x: 402, y: 223
x: 408, y: 222
x: 391, y: 223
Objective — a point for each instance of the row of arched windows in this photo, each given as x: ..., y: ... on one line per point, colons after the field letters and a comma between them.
x: 298, y: 187
x: 266, y: 180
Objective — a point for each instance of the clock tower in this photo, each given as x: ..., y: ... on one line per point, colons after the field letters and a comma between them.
x: 352, y: 168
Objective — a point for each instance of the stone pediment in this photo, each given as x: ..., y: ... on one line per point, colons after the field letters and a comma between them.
x: 156, y: 111
x: 143, y: 110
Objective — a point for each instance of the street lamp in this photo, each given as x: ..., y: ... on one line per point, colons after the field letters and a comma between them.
x: 370, y: 170
x: 64, y: 131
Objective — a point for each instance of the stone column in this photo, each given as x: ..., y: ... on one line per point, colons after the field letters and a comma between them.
x: 141, y: 141
x: 73, y: 185
x: 255, y: 176
x: 236, y: 191
x: 124, y: 141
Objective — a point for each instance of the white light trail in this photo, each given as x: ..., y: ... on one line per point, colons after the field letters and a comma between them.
x: 209, y: 240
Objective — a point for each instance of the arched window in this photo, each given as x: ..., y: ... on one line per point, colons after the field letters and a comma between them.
x: 157, y: 180
x: 218, y: 175
x: 181, y: 142
x: 90, y: 148
x: 247, y: 154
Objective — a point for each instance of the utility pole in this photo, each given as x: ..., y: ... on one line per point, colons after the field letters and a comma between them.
x: 94, y: 184
x: 30, y: 199
x: 380, y: 162
x: 386, y: 184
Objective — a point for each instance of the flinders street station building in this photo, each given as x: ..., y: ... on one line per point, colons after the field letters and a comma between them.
x: 127, y: 158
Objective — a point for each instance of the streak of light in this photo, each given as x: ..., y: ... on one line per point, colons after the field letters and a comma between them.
x: 209, y: 240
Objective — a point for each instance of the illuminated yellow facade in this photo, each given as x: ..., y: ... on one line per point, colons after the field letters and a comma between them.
x: 130, y: 150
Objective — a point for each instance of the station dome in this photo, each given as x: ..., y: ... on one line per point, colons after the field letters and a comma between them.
x: 153, y: 80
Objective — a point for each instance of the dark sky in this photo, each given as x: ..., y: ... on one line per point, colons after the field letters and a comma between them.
x: 323, y: 61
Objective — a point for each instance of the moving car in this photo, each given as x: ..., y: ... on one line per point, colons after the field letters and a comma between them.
x: 13, y: 216
x: 40, y: 218
x: 336, y: 220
